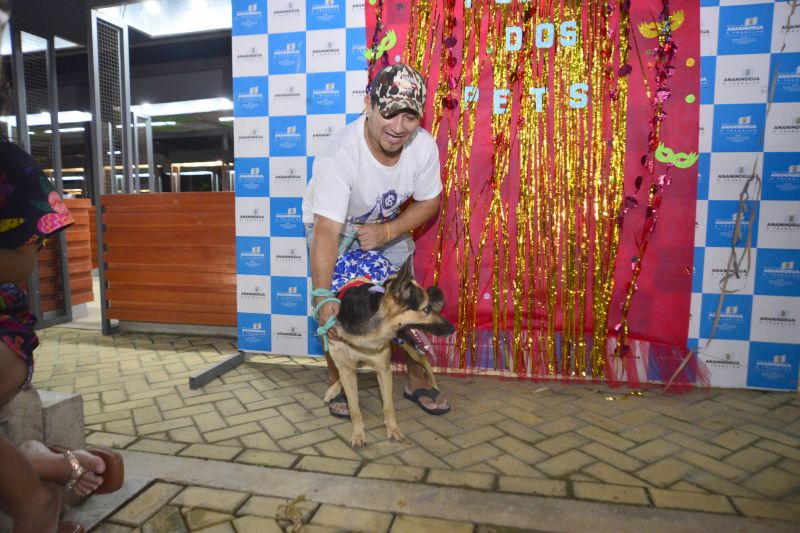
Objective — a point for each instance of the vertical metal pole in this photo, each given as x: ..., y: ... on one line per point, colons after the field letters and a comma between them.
x: 98, y: 176
x: 154, y: 181
x: 125, y: 103
x: 52, y: 88
x: 18, y: 67
x: 112, y: 161
x: 137, y: 180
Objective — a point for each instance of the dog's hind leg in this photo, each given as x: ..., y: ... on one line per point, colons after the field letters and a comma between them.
x: 332, y: 392
x: 384, y: 373
x: 350, y: 383
x: 423, y: 360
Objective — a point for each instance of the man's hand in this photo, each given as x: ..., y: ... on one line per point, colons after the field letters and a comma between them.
x: 328, y: 310
x: 372, y: 236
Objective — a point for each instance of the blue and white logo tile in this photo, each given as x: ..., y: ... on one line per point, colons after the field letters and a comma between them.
x: 253, y: 256
x: 734, y: 318
x: 778, y: 272
x: 320, y: 130
x: 781, y: 176
x: 287, y: 176
x: 783, y: 128
x: 722, y: 217
x: 779, y: 224
x: 251, y: 137
x: 706, y: 128
x: 250, y: 97
x: 738, y: 127
x: 290, y: 334
x: 741, y: 79
x: 715, y: 269
x: 784, y: 31
x: 287, y: 15
x: 286, y: 217
x: 325, y: 14
x: 730, y: 172
x: 709, y: 31
x: 287, y: 53
x: 775, y: 318
x: 326, y: 51
x: 773, y: 366
x: 745, y: 29
x: 252, y: 216
x: 785, y: 70
x: 287, y: 95
x: 694, y: 312
x: 253, y: 294
x: 250, y: 54
x: 249, y: 17
x: 255, y: 332
x: 288, y: 256
x: 726, y: 360
x: 708, y: 69
x: 356, y: 91
x: 356, y: 14
x: 289, y: 295
x: 326, y: 93
x: 251, y: 176
x: 703, y: 175
x: 287, y: 136
x: 697, y: 269
x: 356, y: 40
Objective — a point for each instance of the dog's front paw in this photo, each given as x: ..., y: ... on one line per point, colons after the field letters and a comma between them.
x: 358, y: 440
x: 393, y: 433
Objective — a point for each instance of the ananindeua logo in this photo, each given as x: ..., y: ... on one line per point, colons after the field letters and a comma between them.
x: 255, y: 332
x: 253, y: 217
x: 288, y: 138
x: 289, y: 11
x: 254, y: 258
x: 251, y: 99
x: 251, y: 179
x: 249, y: 17
x: 291, y: 334
x: 255, y: 293
x: 288, y: 220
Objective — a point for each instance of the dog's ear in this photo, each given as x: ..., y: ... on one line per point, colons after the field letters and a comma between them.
x: 401, y: 284
x: 436, y: 297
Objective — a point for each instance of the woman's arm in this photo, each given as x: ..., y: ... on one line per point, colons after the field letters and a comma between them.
x: 17, y: 264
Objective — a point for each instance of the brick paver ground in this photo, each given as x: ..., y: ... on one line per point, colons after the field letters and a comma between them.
x: 732, y: 452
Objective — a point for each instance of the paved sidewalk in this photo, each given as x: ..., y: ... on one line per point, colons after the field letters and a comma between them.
x: 727, y: 452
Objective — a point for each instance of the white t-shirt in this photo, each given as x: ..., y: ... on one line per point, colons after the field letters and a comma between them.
x: 350, y: 185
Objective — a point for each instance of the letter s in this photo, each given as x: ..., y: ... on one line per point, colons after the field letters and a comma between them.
x: 578, y: 95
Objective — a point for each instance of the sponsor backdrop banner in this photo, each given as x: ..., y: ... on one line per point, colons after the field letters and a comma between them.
x: 299, y: 74
x: 756, y: 339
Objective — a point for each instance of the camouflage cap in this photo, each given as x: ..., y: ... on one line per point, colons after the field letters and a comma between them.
x: 398, y: 87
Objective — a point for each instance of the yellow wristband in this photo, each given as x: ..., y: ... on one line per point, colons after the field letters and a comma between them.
x: 388, y: 233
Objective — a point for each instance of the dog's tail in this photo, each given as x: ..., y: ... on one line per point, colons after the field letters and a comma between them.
x: 333, y: 392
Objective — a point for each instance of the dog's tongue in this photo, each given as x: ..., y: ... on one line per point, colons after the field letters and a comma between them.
x: 421, y: 342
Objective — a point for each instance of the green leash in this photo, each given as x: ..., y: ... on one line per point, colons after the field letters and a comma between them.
x: 328, y: 296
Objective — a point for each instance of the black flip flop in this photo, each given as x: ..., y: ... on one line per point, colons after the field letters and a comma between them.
x: 339, y: 398
x: 429, y: 393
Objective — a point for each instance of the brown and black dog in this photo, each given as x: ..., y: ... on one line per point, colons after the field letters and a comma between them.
x: 368, y: 320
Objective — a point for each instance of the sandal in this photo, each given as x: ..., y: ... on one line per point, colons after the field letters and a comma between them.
x: 339, y: 398
x: 113, y: 475
x: 428, y: 393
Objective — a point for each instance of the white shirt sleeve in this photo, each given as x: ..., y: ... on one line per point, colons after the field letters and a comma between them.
x: 428, y: 183
x: 331, y: 196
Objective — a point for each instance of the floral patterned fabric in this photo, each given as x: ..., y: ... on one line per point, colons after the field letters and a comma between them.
x: 30, y: 211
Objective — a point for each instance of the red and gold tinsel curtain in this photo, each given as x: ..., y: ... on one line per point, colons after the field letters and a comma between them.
x: 568, y: 134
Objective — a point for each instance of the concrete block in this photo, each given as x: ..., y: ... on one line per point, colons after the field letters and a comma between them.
x: 62, y: 419
x: 21, y: 418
